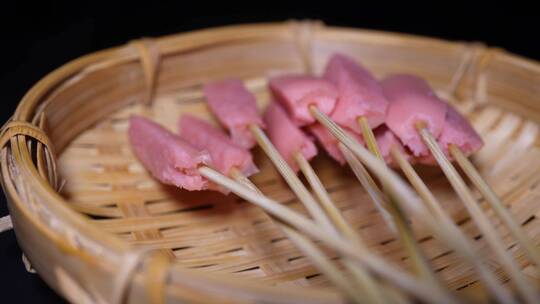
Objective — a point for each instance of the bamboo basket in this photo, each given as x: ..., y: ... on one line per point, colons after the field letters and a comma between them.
x: 99, y: 229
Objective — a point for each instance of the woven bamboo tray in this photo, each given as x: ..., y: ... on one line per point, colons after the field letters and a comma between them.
x: 83, y: 207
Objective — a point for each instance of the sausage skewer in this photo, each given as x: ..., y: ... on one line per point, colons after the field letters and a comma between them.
x: 300, y: 94
x: 215, y: 93
x: 297, y: 149
x: 235, y: 107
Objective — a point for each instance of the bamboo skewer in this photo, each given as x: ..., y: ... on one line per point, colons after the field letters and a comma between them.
x: 313, y: 253
x: 292, y: 180
x: 369, y: 137
x: 492, y: 238
x: 420, y: 263
x: 370, y: 286
x: 324, y: 198
x: 292, y: 218
x: 495, y: 202
x: 463, y: 246
x: 368, y: 184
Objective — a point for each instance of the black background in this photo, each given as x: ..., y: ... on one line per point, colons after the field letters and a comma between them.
x: 38, y: 37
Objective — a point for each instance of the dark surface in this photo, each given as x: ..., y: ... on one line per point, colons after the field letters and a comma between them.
x: 41, y: 37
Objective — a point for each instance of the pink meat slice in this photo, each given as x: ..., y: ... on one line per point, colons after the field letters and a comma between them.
x: 329, y: 142
x: 170, y: 159
x: 360, y: 94
x: 458, y: 131
x: 286, y: 136
x: 224, y: 152
x: 412, y: 100
x: 385, y: 140
x: 297, y: 92
x: 235, y: 107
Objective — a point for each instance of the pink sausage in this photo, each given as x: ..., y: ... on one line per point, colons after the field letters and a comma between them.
x: 412, y: 100
x: 458, y: 131
x: 297, y: 93
x: 385, y: 140
x: 286, y: 136
x: 329, y: 142
x: 235, y: 107
x: 170, y: 159
x: 224, y: 152
x: 360, y: 94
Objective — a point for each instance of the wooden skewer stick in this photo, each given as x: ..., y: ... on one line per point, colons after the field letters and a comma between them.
x: 369, y: 137
x: 420, y: 262
x: 523, y: 286
x: 373, y: 191
x: 363, y: 278
x: 323, y: 196
x: 495, y: 202
x: 313, y: 253
x: 292, y: 180
x: 462, y: 245
x: 374, y: 263
x: 369, y: 185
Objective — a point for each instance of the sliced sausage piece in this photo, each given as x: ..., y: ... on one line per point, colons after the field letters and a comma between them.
x: 360, y: 94
x: 286, y: 136
x: 412, y: 100
x: 236, y: 108
x: 296, y: 93
x: 170, y: 159
x: 224, y: 152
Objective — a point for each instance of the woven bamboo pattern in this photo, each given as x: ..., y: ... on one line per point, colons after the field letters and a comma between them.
x: 98, y: 228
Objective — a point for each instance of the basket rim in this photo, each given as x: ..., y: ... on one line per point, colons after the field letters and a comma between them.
x: 58, y: 206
